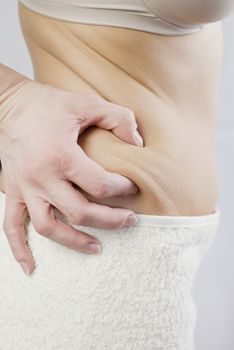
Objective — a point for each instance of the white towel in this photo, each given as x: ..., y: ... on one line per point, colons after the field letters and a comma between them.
x: 136, y: 295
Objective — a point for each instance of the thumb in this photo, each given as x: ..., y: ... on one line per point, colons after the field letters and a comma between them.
x: 118, y: 119
x: 127, y: 131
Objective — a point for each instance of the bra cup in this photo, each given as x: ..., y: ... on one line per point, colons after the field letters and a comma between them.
x: 190, y: 12
x: 173, y: 11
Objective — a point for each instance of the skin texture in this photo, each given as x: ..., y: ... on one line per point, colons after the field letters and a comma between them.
x: 172, y: 86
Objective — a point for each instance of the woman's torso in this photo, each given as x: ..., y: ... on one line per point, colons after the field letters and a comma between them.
x: 171, y: 83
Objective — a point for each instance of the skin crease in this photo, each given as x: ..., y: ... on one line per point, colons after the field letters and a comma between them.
x: 171, y: 84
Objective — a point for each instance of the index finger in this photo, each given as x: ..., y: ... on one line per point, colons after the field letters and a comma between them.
x: 92, y: 178
x: 15, y: 218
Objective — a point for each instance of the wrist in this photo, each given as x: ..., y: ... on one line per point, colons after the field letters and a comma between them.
x: 8, y: 80
x: 10, y: 83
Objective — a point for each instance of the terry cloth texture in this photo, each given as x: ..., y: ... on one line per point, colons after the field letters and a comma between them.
x: 136, y: 295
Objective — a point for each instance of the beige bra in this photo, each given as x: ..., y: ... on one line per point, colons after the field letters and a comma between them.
x: 165, y: 17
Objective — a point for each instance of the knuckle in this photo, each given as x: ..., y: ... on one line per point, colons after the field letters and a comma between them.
x: 64, y: 161
x: 19, y: 256
x: 129, y: 115
x: 42, y: 226
x: 76, y: 215
x: 102, y: 188
x: 58, y: 158
x: 53, y: 156
x: 115, y: 222
x: 8, y: 228
x: 35, y: 174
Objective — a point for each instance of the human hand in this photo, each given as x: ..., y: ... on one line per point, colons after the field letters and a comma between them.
x: 41, y: 163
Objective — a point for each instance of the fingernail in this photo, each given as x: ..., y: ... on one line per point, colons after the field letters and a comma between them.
x: 25, y: 267
x: 93, y: 248
x: 138, y: 138
x: 131, y: 220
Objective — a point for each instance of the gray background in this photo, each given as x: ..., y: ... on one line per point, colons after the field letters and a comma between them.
x: 214, y: 285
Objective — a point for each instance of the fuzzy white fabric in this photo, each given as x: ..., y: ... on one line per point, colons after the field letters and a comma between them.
x: 136, y: 295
